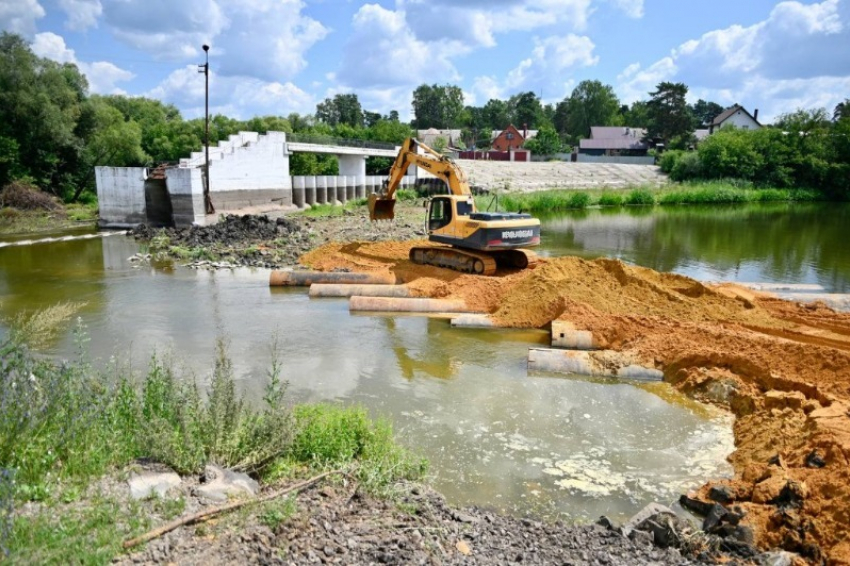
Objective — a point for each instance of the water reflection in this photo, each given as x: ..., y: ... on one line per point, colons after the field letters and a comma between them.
x: 788, y: 243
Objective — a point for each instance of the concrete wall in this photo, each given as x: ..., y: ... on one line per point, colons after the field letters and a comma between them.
x: 121, y: 195
x: 185, y: 185
x: 621, y: 159
x: 158, y: 210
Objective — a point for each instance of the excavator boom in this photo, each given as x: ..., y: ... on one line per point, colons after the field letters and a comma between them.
x: 382, y: 206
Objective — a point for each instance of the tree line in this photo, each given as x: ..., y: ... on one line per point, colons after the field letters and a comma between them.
x: 53, y: 133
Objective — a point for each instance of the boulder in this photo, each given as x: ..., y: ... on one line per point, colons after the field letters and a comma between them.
x: 149, y: 483
x: 221, y: 484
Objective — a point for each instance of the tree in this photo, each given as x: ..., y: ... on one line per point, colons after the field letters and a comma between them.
x: 636, y: 115
x: 669, y: 116
x: 391, y: 131
x: 546, y: 142
x: 437, y: 106
x: 590, y: 104
x: 704, y: 112
x: 341, y: 109
x: 496, y: 114
x: 40, y: 104
x: 842, y: 110
x: 371, y: 118
x: 525, y: 110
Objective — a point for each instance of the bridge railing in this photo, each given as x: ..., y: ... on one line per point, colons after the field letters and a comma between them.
x: 343, y: 142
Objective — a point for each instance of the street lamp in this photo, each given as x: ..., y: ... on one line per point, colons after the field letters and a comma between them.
x: 205, y: 69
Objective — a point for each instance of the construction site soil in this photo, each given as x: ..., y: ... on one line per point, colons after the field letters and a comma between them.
x: 783, y: 369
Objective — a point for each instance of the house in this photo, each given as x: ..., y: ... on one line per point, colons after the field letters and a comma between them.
x: 616, y: 140
x: 510, y: 138
x: 451, y: 138
x: 736, y: 116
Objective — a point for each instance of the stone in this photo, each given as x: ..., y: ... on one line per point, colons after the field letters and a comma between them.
x: 780, y: 558
x: 714, y: 518
x: 221, y: 484
x: 151, y: 483
x: 695, y: 505
x: 648, y: 512
x: 721, y: 494
x: 814, y: 460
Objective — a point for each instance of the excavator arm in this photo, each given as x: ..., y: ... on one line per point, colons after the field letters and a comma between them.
x: 381, y: 206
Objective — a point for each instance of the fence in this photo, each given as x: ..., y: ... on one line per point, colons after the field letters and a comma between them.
x: 343, y: 142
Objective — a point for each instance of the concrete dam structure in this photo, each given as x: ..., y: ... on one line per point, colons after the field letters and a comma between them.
x: 247, y: 170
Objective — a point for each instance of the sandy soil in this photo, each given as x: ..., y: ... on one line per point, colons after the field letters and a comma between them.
x: 781, y: 368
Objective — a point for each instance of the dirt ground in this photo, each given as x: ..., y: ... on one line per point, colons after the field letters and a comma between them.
x: 782, y: 368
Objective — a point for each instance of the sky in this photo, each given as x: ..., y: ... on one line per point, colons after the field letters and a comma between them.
x: 274, y: 57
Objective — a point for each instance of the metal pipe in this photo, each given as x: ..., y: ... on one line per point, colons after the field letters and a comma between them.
x: 307, y: 278
x: 350, y: 290
x: 386, y: 304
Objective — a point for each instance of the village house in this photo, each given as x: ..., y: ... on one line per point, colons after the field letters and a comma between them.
x: 430, y: 137
x: 736, y: 116
x: 614, y: 141
x: 510, y: 138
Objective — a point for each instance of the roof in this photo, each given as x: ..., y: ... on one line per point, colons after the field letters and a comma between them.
x: 528, y: 134
x: 728, y: 113
x: 615, y: 132
x: 614, y: 137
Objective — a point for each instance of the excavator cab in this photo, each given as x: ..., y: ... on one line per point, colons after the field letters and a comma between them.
x: 381, y: 208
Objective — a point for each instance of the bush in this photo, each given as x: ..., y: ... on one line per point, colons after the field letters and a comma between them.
x: 24, y: 196
x: 640, y: 197
x: 687, y: 167
x: 669, y: 159
x: 610, y: 199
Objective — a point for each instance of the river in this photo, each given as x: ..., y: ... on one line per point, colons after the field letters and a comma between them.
x: 495, y: 436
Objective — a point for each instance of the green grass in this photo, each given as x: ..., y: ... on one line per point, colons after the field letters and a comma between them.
x: 62, y: 425
x: 715, y: 192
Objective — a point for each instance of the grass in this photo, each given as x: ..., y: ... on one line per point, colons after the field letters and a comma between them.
x: 61, y: 425
x: 715, y: 192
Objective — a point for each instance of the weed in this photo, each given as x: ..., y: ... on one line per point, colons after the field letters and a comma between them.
x: 276, y: 512
x: 640, y: 197
x: 610, y: 199
x: 40, y: 328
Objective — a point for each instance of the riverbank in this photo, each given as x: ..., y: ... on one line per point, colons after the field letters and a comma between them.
x: 781, y: 368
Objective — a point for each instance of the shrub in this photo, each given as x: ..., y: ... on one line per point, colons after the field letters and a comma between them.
x: 610, y: 199
x: 25, y: 196
x: 640, y: 197
x: 669, y: 159
x: 687, y: 167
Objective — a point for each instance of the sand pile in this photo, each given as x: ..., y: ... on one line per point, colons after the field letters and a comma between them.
x: 783, y: 369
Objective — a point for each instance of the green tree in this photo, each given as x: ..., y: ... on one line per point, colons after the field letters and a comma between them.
x: 590, y: 104
x: 842, y: 110
x: 370, y: 118
x: 496, y: 115
x: 437, y: 106
x: 524, y: 110
x: 636, y: 115
x: 705, y: 112
x: 389, y: 131
x: 40, y: 104
x: 546, y: 142
x: 341, y: 109
x: 670, y: 118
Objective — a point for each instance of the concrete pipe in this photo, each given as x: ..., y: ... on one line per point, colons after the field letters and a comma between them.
x: 835, y: 301
x: 386, y: 304
x: 307, y: 278
x: 474, y: 321
x: 605, y: 363
x: 349, y: 290
x: 565, y: 335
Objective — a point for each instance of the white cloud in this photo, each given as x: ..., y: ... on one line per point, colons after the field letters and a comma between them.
x: 780, y: 63
x: 237, y: 97
x: 82, y: 14
x: 382, y: 52
x: 632, y: 8
x: 102, y: 76
x: 19, y: 16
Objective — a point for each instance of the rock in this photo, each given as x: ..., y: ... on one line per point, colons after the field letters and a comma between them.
x: 149, y: 483
x: 784, y: 399
x: 779, y: 558
x: 220, y: 484
x: 769, y: 489
x: 714, y: 518
x: 695, y: 505
x: 721, y: 494
x: 648, y: 512
x: 606, y: 523
x: 464, y: 517
x: 814, y: 460
x: 463, y: 548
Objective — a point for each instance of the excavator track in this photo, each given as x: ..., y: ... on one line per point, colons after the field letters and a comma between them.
x: 516, y: 259
x: 453, y: 258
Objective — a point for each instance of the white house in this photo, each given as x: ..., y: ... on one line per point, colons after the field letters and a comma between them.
x: 736, y: 116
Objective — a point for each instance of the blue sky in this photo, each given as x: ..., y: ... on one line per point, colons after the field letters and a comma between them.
x: 282, y: 56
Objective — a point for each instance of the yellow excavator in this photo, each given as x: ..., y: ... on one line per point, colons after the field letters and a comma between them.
x: 476, y: 241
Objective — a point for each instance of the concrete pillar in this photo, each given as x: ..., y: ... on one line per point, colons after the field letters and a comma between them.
x: 350, y: 187
x: 298, y: 191
x: 310, y: 190
x: 321, y: 189
x: 354, y: 165
x: 330, y: 187
x: 341, y: 189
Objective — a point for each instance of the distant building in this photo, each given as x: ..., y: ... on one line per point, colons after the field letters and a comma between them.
x: 736, y: 116
x: 429, y: 137
x: 607, y: 140
x: 510, y: 138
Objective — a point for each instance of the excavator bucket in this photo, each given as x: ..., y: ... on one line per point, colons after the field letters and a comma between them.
x: 381, y: 208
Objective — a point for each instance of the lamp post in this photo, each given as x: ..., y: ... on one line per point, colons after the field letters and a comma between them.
x: 205, y: 69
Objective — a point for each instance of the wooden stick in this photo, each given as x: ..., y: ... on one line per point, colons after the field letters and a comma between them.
x: 204, y: 515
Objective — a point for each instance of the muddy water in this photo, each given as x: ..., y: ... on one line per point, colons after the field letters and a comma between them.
x: 495, y: 435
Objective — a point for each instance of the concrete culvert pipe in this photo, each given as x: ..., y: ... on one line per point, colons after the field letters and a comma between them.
x: 604, y: 363
x: 385, y: 304
x: 307, y: 278
x: 345, y: 290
